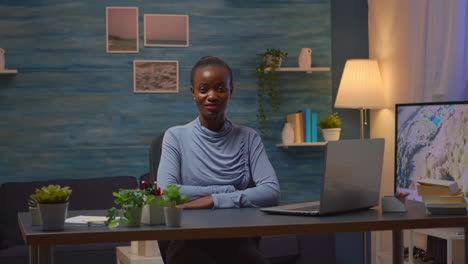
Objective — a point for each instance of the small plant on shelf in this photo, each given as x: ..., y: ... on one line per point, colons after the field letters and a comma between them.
x: 267, y: 85
x: 331, y: 127
x: 131, y: 201
x: 330, y: 121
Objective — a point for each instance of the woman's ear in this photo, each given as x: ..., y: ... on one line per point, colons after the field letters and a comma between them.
x: 191, y: 90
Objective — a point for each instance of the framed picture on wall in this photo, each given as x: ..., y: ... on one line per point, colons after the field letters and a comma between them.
x: 121, y: 29
x: 166, y: 30
x: 155, y: 76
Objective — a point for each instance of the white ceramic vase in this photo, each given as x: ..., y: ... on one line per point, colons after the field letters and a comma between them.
x: 53, y: 215
x: 173, y: 216
x: 2, y: 59
x: 287, y: 135
x: 331, y: 134
x: 35, y: 216
x: 305, y: 58
x: 153, y: 214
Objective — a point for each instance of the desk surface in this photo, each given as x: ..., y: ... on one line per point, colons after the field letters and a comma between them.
x: 223, y: 223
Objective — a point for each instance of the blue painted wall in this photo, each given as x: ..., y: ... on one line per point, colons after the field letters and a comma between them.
x: 71, y: 112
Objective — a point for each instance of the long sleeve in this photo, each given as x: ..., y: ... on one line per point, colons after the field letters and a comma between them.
x: 169, y: 171
x: 221, y: 164
x: 265, y: 193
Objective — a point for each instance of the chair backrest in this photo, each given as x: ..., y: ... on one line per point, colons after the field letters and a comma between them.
x: 155, y: 156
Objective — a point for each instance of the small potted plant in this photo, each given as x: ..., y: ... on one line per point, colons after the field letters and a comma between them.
x: 153, y: 213
x: 52, y: 201
x: 274, y: 57
x: 331, y: 127
x: 131, y: 201
x: 171, y: 198
x: 267, y: 85
x: 34, y: 212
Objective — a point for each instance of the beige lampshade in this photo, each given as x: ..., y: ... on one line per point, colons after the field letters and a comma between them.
x: 361, y: 85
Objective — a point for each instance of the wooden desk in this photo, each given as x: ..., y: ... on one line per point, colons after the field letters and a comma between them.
x: 224, y: 223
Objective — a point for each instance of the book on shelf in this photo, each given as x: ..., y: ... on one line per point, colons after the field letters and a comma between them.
x: 301, y: 126
x: 295, y: 121
x: 313, y: 123
x: 307, y: 125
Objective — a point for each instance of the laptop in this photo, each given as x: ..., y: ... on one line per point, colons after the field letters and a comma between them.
x: 351, y: 179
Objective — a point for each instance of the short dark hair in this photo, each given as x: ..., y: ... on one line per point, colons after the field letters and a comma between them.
x: 211, y: 61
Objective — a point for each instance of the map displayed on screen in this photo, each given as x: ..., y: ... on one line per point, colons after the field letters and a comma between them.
x: 431, y: 142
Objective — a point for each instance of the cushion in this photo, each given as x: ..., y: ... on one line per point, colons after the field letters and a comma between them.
x: 88, y: 194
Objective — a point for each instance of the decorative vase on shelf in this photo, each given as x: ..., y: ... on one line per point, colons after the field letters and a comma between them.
x: 305, y: 58
x: 331, y: 134
x: 2, y: 59
x: 287, y: 135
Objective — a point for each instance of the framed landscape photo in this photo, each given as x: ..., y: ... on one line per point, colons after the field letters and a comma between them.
x: 121, y: 29
x: 155, y: 76
x: 166, y: 30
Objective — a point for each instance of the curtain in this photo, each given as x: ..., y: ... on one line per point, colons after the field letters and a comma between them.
x: 428, y: 41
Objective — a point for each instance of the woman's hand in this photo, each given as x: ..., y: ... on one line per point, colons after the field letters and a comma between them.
x: 200, y: 203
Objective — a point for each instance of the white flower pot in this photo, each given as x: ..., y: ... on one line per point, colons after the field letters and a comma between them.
x: 331, y: 134
x: 53, y: 215
x: 173, y: 216
x: 153, y: 214
x: 35, y: 216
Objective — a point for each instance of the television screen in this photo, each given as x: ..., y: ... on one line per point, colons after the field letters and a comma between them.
x: 431, y: 141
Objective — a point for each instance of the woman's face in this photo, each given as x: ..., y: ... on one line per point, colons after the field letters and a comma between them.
x: 211, y: 91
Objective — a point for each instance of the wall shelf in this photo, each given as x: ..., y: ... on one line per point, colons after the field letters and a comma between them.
x: 304, y: 144
x: 6, y: 71
x: 297, y: 69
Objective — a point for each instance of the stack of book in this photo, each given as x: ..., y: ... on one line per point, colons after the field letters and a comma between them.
x: 304, y: 124
x: 441, y: 196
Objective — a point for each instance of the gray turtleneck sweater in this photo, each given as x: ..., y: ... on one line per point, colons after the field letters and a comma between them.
x: 220, y: 164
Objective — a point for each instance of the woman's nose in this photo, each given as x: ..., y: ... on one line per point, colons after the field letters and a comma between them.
x: 213, y: 95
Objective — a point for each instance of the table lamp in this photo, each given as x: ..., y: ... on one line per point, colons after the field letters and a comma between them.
x: 361, y: 88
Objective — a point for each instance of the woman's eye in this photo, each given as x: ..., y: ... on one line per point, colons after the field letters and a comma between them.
x: 221, y: 88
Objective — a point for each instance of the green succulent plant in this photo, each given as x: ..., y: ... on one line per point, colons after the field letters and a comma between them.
x: 330, y: 121
x: 127, y: 199
x: 172, y: 197
x: 51, y: 194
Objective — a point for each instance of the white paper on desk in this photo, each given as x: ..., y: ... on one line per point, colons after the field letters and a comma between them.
x: 85, y: 220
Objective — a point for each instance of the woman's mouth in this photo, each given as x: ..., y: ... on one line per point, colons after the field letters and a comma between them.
x: 212, y: 106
